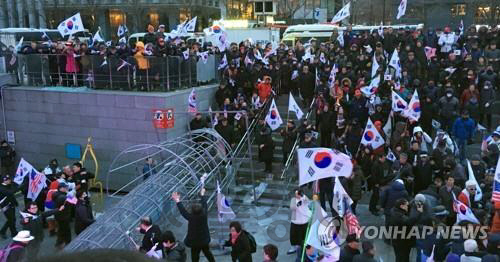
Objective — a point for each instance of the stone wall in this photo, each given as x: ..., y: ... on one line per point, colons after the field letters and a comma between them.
x: 45, y: 120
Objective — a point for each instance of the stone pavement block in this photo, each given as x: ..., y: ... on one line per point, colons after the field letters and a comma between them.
x: 87, y: 99
x: 20, y: 106
x: 67, y: 109
x: 101, y: 133
x: 136, y: 137
x: 39, y: 107
x: 89, y: 121
x: 117, y: 134
x: 127, y: 101
x: 70, y: 98
x: 37, y: 117
x: 91, y: 110
x: 34, y: 96
x: 108, y: 122
x: 17, y: 95
x: 145, y: 102
x: 17, y: 116
x: 32, y: 147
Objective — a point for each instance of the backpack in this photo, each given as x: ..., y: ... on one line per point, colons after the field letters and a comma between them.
x: 251, y: 241
x: 4, y: 253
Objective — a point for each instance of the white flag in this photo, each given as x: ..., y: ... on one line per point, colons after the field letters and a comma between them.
x: 71, y: 25
x: 371, y: 136
x: 273, y: 117
x: 401, y: 9
x: 121, y: 31
x: 398, y: 103
x: 381, y: 30
x: 388, y: 126
x: 340, y: 38
x: 190, y: 26
x: 396, y: 64
x: 185, y: 54
x: 390, y: 156
x: 461, y: 27
x: 223, y: 207
x: 342, y: 13
x: 192, y: 102
x: 320, y: 234
x: 318, y: 163
x: 19, y: 44
x: 413, y: 111
x: 375, y: 66
x: 341, y: 200
x: 479, y: 192
x: 24, y: 168
x: 292, y: 106
x: 331, y: 79
x: 97, y: 37
x: 223, y: 63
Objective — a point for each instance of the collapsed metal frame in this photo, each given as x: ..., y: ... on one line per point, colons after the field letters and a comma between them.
x: 182, y: 163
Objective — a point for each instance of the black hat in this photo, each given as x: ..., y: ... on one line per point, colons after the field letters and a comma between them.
x: 6, y: 177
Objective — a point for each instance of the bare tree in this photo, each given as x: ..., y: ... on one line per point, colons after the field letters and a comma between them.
x: 287, y: 8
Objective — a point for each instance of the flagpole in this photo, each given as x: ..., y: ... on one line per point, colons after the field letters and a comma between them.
x: 315, y: 198
x: 288, y: 113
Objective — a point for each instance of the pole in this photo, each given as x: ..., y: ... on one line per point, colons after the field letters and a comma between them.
x: 383, y: 13
x: 288, y: 113
x: 308, y: 229
x: 249, y: 144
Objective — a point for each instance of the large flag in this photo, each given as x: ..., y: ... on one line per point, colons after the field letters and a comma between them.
x: 398, y: 103
x: 214, y: 30
x: 371, y: 136
x: 464, y: 213
x: 396, y: 63
x: 342, y: 13
x: 341, y: 200
x: 496, y: 184
x: 190, y: 26
x: 71, y: 25
x: 192, y: 102
x: 479, y: 192
x: 318, y: 163
x: 223, y: 207
x: 24, y: 168
x: 37, y: 181
x: 401, y: 9
x: 320, y: 235
x: 413, y: 111
x: 292, y: 106
x: 273, y: 117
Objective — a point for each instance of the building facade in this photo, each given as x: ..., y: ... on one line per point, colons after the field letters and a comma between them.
x: 107, y: 14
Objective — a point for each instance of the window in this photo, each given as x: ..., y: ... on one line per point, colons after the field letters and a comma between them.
x: 116, y: 18
x: 259, y: 7
x: 483, y: 14
x: 268, y: 7
x: 154, y: 19
x: 458, y: 9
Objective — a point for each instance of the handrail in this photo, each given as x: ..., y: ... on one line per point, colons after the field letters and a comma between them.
x: 295, y: 144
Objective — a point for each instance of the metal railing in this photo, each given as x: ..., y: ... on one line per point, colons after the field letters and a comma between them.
x: 144, y: 73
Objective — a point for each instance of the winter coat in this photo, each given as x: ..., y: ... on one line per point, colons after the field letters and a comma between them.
x: 151, y: 237
x: 487, y: 96
x: 59, y: 200
x: 83, y: 216
x: 347, y: 254
x: 240, y: 250
x: 448, y: 107
x: 289, y: 138
x: 71, y: 63
x: 266, y: 153
x: 264, y: 91
x: 389, y: 196
x: 446, y: 196
x: 399, y: 218
x: 17, y: 254
x: 364, y: 257
x: 35, y: 224
x: 354, y: 185
x: 198, y: 234
x: 176, y: 254
x: 227, y: 132
x: 463, y: 129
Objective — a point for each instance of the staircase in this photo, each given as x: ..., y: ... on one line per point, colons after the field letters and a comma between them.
x: 271, y: 191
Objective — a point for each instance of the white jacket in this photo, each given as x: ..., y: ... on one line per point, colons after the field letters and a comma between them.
x: 446, y: 41
x: 300, y: 214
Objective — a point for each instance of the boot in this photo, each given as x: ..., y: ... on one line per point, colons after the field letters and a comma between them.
x: 51, y: 226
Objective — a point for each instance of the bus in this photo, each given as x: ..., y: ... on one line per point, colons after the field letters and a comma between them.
x: 12, y: 36
x: 323, y: 32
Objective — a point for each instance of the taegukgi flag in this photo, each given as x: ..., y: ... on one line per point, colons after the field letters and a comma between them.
x: 71, y: 25
x: 192, y: 102
x: 398, y: 103
x: 401, y: 9
x: 413, y: 111
x: 371, y: 136
x: 342, y: 13
x: 292, y: 106
x: 318, y: 163
x: 223, y: 207
x: 273, y: 118
x: 341, y: 200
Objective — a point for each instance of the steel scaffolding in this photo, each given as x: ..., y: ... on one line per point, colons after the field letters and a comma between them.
x: 180, y: 165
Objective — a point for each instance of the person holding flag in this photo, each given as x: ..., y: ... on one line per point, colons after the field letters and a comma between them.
x: 8, y: 204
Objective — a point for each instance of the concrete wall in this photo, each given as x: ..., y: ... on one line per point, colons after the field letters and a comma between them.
x: 44, y: 120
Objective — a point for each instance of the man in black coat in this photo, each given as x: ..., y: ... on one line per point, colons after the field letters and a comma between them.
x: 32, y: 220
x: 266, y: 149
x: 7, y: 157
x: 226, y: 131
x: 326, y: 122
x: 380, y: 171
x: 63, y: 218
x: 289, y: 135
x: 400, y: 218
x: 198, y: 122
x: 82, y: 177
x: 8, y: 205
x: 198, y: 235
x: 83, y: 212
x: 152, y: 234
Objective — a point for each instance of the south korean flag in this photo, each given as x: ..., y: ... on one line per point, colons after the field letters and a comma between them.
x: 273, y: 117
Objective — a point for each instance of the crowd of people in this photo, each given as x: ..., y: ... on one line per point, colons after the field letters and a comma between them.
x: 454, y: 73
